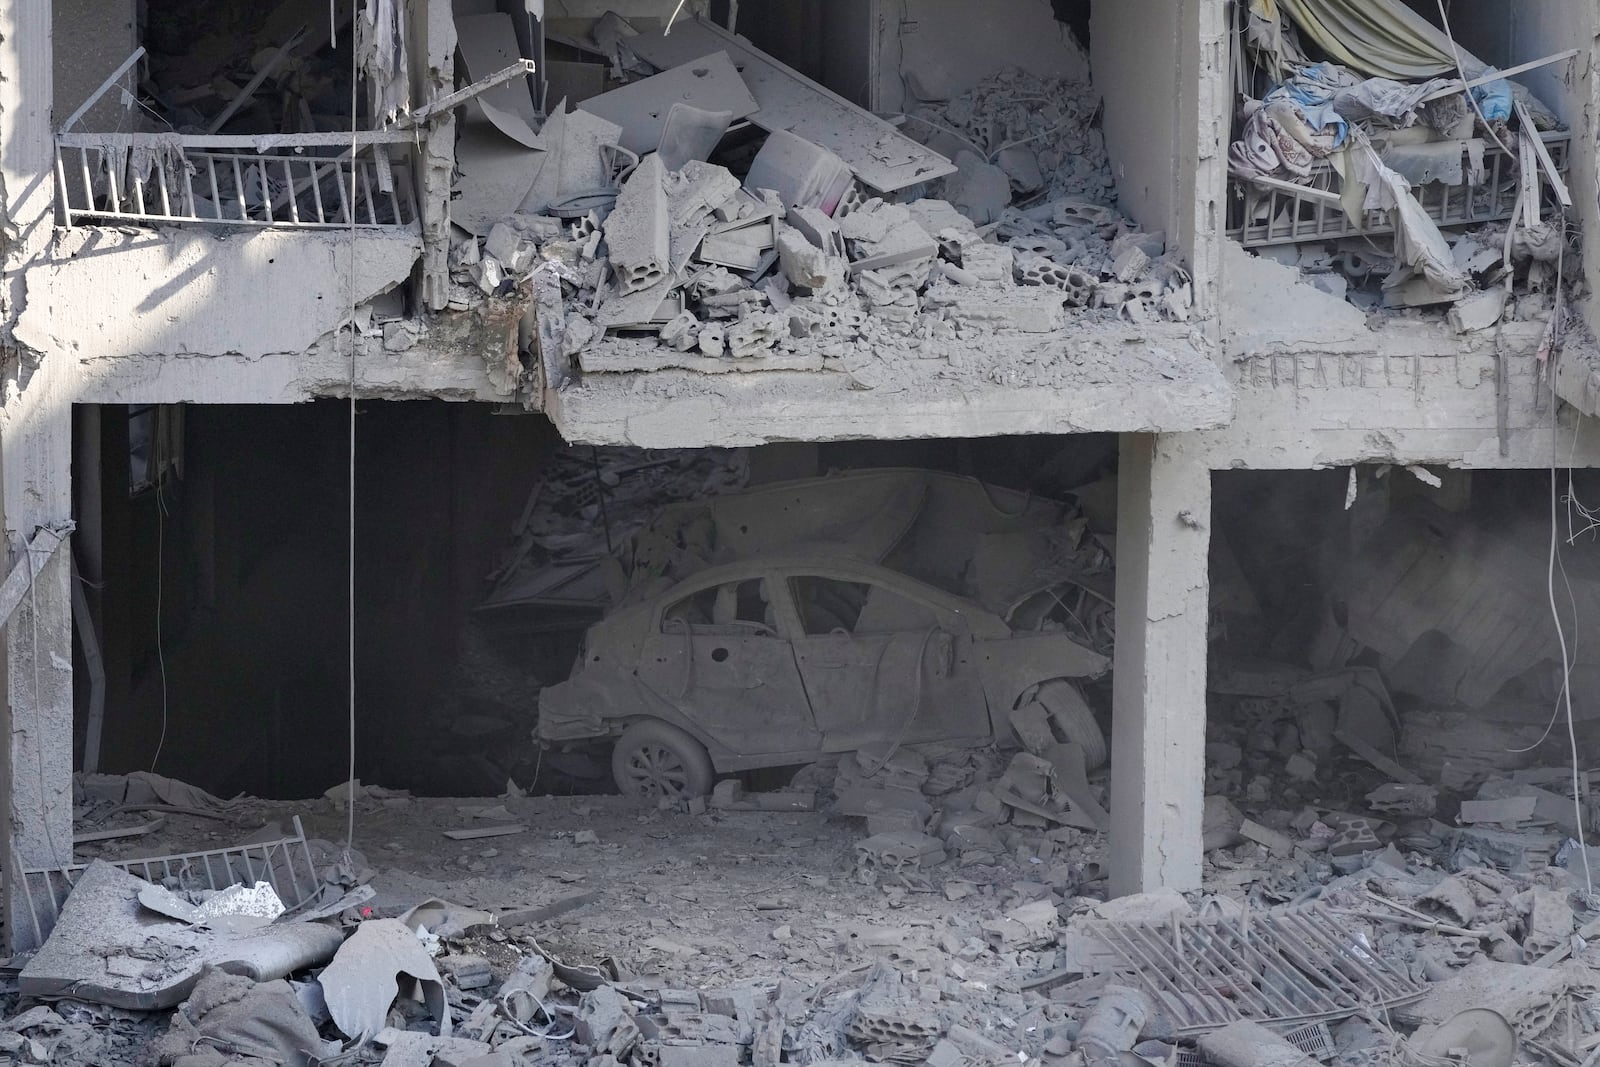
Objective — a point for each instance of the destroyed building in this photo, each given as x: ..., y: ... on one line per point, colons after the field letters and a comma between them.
x: 787, y: 366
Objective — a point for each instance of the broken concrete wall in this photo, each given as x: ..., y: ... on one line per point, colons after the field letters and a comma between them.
x: 93, y: 38
x: 1412, y: 393
x: 186, y: 291
x: 1161, y: 69
x: 938, y: 49
x: 35, y: 448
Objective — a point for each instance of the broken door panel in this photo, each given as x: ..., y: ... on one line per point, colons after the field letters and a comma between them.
x: 718, y: 656
x: 879, y: 665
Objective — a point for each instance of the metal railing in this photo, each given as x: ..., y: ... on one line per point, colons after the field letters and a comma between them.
x: 1258, y: 215
x: 303, y: 181
x: 285, y: 862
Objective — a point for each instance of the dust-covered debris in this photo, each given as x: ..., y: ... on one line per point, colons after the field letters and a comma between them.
x: 1354, y: 168
x: 965, y: 929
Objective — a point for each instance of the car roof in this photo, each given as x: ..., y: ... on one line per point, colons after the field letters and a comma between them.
x: 821, y: 563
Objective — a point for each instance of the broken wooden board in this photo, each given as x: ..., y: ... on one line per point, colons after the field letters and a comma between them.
x: 474, y: 833
x: 19, y: 580
x: 877, y: 153
x: 641, y: 108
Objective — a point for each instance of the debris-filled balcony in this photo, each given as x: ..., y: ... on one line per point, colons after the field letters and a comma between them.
x: 242, y: 117
x: 697, y: 198
x: 1411, y: 158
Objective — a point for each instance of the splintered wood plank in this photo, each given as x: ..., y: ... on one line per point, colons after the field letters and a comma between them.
x: 473, y: 833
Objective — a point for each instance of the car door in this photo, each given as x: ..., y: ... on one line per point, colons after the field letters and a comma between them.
x: 879, y: 664
x: 718, y: 654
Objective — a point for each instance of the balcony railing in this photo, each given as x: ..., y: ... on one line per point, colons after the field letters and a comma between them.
x: 305, y: 181
x: 1288, y: 214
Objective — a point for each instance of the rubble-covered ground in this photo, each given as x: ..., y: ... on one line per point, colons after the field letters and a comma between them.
x: 1406, y: 919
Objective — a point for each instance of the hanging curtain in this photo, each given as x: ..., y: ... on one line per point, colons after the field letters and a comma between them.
x: 1381, y: 38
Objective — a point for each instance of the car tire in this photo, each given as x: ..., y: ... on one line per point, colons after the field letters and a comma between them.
x: 1074, y: 718
x: 656, y: 759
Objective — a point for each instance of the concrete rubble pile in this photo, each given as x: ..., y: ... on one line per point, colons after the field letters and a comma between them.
x: 646, y: 252
x: 245, y: 69
x: 1325, y: 153
x: 588, y: 501
x: 1343, y: 920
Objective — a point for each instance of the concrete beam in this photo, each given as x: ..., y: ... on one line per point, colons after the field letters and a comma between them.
x: 1097, y: 378
x: 1158, y: 728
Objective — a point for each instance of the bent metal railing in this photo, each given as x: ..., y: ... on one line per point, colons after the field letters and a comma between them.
x: 281, y: 180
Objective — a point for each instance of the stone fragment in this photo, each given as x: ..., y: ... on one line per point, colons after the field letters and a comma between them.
x: 1032, y: 925
x: 636, y: 231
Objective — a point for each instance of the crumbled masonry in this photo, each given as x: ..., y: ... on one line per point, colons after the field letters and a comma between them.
x: 799, y: 261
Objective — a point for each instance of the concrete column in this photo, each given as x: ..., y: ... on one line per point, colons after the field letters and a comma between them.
x: 35, y: 476
x: 1159, y: 694
x: 36, y: 738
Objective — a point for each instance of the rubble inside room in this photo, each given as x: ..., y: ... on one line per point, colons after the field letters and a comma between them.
x: 1395, y: 169
x: 685, y: 201
x: 282, y: 69
x: 1394, y: 869
x: 245, y: 115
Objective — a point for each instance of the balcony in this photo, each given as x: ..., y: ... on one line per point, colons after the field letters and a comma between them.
x: 292, y: 181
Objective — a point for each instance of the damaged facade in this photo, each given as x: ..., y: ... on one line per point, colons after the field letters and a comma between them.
x: 1266, y: 235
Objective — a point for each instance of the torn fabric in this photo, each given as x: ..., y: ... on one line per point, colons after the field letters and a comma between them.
x: 1266, y: 149
x: 1419, y: 246
x: 381, y: 52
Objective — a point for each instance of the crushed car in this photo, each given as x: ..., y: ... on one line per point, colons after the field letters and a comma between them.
x: 776, y: 626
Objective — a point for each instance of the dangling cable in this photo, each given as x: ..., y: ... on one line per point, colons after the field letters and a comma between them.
x: 161, y: 656
x: 350, y: 592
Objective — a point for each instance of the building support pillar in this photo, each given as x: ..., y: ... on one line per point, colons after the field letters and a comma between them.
x: 35, y: 479
x: 36, y: 457
x: 1159, y: 686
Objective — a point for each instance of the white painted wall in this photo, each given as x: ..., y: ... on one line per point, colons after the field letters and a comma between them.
x: 107, y: 294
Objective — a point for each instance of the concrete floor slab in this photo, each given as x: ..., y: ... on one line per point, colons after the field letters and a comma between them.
x: 1097, y: 378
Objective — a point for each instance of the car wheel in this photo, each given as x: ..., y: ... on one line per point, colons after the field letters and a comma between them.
x: 1075, y: 719
x: 656, y: 759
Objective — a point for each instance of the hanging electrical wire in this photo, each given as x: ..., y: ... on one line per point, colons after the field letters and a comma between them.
x: 350, y: 591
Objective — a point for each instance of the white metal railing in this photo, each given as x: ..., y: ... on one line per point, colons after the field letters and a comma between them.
x: 291, y: 180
